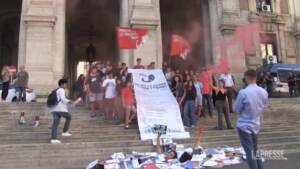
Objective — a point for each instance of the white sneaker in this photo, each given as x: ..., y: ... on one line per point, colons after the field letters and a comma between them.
x: 55, y: 141
x: 66, y: 134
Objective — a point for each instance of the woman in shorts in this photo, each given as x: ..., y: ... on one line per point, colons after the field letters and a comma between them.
x: 128, y: 104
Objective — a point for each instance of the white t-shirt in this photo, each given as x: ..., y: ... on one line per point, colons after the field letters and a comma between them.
x: 62, y: 105
x: 228, y: 80
x: 110, y: 91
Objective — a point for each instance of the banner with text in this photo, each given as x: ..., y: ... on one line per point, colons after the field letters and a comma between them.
x: 156, y: 105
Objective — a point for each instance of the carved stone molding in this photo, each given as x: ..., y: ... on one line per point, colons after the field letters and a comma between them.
x: 230, y: 20
x: 297, y: 27
x: 48, y: 21
x: 145, y: 12
x: 267, y: 17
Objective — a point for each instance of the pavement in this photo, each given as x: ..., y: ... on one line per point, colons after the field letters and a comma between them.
x: 292, y: 162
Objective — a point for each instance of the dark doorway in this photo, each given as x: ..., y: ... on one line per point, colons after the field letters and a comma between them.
x: 91, y: 36
x: 10, y: 14
x: 184, y: 18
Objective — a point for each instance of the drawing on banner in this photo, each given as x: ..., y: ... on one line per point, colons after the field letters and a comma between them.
x: 156, y: 105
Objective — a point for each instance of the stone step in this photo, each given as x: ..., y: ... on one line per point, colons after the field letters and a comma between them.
x: 25, y: 147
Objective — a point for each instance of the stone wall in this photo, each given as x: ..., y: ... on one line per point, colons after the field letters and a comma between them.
x: 42, y: 34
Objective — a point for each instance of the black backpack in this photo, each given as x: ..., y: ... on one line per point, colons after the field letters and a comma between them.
x: 52, y: 99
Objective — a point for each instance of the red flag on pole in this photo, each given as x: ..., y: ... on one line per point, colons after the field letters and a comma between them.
x: 131, y: 38
x: 179, y: 46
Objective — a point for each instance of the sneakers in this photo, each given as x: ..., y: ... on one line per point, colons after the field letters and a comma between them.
x: 66, y: 134
x: 55, y: 141
x: 93, y: 115
x: 126, y: 126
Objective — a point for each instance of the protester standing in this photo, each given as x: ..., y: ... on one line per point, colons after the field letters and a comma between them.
x: 138, y: 64
x: 198, y: 86
x: 206, y: 91
x: 221, y: 105
x: 151, y: 66
x: 5, y: 82
x: 178, y: 90
x: 60, y: 110
x: 269, y: 83
x: 21, y: 83
x: 109, y: 85
x: 188, y: 100
x: 230, y: 87
x: 78, y: 87
x: 297, y: 78
x: 93, y: 84
x: 292, y: 84
x: 128, y: 104
x: 249, y: 105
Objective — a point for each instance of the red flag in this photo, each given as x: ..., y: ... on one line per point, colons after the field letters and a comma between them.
x: 180, y: 46
x: 131, y: 38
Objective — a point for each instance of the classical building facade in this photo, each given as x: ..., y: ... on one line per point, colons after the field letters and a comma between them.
x: 52, y: 36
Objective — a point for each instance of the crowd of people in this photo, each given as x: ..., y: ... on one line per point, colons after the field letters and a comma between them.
x: 19, y: 80
x: 109, y: 89
x: 267, y: 81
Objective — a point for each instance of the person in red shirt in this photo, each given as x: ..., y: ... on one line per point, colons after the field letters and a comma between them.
x: 128, y: 104
x: 138, y: 64
x: 206, y: 79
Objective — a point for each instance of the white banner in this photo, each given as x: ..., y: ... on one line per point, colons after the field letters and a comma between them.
x: 156, y: 105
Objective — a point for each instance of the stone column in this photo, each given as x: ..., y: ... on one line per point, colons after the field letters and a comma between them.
x: 146, y: 14
x: 22, y: 34
x: 59, y: 45
x: 297, y: 29
x: 39, y: 37
x: 125, y: 54
x: 230, y: 20
x: 207, y: 38
x: 215, y: 13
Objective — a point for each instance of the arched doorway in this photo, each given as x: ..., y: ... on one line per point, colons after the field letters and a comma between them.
x: 10, y: 14
x: 90, y: 28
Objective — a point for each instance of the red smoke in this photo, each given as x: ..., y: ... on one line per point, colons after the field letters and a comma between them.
x: 240, y: 44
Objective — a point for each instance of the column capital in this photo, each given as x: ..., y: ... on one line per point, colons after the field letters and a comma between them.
x: 40, y: 20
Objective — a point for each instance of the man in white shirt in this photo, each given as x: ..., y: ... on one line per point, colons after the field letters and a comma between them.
x: 60, y: 110
x: 230, y: 87
x: 110, y: 93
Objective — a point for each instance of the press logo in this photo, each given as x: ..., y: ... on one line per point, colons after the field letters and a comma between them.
x: 147, y: 78
x: 269, y: 155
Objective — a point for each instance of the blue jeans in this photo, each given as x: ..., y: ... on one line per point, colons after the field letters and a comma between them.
x: 21, y: 93
x: 207, y: 98
x: 56, y: 119
x: 189, y: 114
x: 249, y: 143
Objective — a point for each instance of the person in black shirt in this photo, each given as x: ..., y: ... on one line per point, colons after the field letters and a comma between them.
x: 269, y: 83
x: 292, y: 84
x: 188, y: 99
x: 78, y: 88
x: 297, y: 78
x: 221, y: 105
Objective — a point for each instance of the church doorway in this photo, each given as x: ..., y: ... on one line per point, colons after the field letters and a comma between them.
x: 91, y: 35
x: 10, y: 14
